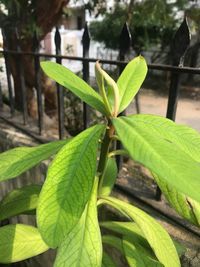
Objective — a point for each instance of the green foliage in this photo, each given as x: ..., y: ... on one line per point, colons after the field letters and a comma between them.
x: 75, y: 84
x: 180, y: 170
x: 83, y: 172
x: 19, y: 13
x: 131, y: 80
x: 155, y: 234
x: 135, y: 256
x: 19, y: 242
x: 19, y: 201
x: 107, y: 261
x: 185, y: 206
x: 187, y: 140
x: 108, y: 178
x: 67, y: 187
x: 134, y: 234
x: 131, y: 230
x: 18, y: 160
x: 83, y: 240
x: 156, y: 29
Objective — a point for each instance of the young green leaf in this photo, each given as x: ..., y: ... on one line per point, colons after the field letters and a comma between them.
x: 68, y: 186
x: 82, y: 247
x: 161, y: 155
x: 155, y: 234
x: 75, y: 84
x: 18, y: 160
x: 19, y: 242
x: 131, y: 80
x: 100, y: 83
x: 101, y: 75
x: 109, y: 177
x: 19, y: 201
x: 137, y: 257
x: 107, y: 261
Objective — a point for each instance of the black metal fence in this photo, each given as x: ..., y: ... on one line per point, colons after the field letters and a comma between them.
x: 179, y: 47
x: 180, y: 44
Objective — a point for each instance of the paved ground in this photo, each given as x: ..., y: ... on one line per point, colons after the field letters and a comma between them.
x: 188, y: 110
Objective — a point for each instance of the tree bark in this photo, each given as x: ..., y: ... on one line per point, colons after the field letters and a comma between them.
x: 47, y: 15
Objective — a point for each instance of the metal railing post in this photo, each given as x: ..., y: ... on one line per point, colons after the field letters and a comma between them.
x: 22, y: 78
x: 36, y: 46
x: 86, y: 48
x: 60, y: 93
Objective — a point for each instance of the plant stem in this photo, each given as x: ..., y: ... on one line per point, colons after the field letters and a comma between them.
x: 104, y: 151
x: 118, y: 152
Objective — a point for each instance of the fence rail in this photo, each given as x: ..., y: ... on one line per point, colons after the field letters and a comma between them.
x: 179, y: 47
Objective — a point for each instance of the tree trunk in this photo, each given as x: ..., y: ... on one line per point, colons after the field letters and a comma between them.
x: 47, y: 15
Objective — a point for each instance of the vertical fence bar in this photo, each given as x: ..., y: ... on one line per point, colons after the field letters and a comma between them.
x: 8, y: 74
x: 125, y: 41
x: 36, y: 45
x: 180, y: 43
x: 1, y: 97
x: 86, y: 47
x: 60, y: 93
x: 22, y: 78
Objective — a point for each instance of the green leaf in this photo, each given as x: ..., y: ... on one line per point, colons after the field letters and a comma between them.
x: 155, y: 234
x: 146, y: 144
x: 68, y: 186
x: 99, y: 73
x: 128, y: 229
x: 75, y: 84
x: 185, y: 206
x: 107, y: 261
x: 82, y: 247
x: 113, y: 241
x: 109, y: 177
x: 18, y: 160
x: 188, y: 140
x: 137, y: 257
x: 19, y: 242
x: 131, y: 80
x: 19, y: 201
x: 135, y: 235
x: 195, y: 206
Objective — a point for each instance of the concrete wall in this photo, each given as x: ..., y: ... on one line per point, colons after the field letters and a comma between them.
x: 10, y: 138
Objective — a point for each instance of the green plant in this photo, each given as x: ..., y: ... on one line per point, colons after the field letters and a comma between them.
x: 82, y: 174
